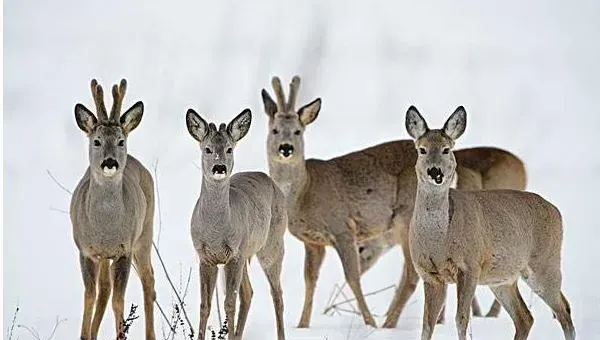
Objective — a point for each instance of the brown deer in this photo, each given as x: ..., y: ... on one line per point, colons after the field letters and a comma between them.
x: 350, y: 199
x: 112, y: 211
x: 480, y: 237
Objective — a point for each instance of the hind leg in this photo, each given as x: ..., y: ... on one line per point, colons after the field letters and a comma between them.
x: 245, y: 300
x: 313, y: 259
x: 511, y: 300
x: 271, y: 261
x: 546, y: 282
x: 104, y: 289
x: 146, y: 273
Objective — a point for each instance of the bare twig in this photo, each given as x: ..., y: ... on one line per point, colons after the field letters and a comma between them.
x: 347, y: 300
x: 58, y: 322
x: 58, y: 183
x: 12, y: 324
x: 59, y: 210
x: 36, y: 334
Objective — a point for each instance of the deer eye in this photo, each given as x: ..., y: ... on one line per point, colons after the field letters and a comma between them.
x: 208, y: 150
x: 422, y: 151
x: 446, y: 151
x: 229, y: 150
x: 122, y: 142
x: 297, y: 132
x: 275, y: 131
x: 96, y: 142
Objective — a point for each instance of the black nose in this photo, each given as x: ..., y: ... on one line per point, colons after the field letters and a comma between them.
x: 436, y: 174
x: 110, y: 163
x: 286, y: 150
x: 219, y: 169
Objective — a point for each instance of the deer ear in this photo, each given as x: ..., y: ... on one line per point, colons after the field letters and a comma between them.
x: 270, y: 106
x: 197, y: 127
x: 85, y: 119
x: 415, y: 124
x: 455, y: 125
x: 239, y: 126
x: 132, y: 117
x: 309, y: 112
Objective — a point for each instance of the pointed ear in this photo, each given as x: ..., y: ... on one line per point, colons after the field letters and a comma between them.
x: 132, y: 117
x: 85, y: 119
x: 309, y: 112
x: 455, y: 125
x: 270, y: 106
x: 240, y: 125
x: 415, y: 124
x: 197, y: 127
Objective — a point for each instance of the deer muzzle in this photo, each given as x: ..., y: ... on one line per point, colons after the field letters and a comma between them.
x: 109, y: 167
x: 286, y: 150
x: 436, y: 174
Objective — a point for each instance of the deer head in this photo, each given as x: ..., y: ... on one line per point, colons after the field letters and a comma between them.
x: 108, y: 135
x: 285, y: 141
x: 217, y: 144
x: 436, y: 164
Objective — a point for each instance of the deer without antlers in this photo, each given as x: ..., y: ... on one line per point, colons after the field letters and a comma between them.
x: 360, y: 203
x: 112, y: 212
x: 485, y: 237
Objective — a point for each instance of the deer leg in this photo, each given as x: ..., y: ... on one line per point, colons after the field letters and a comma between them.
x: 435, y: 296
x: 465, y: 288
x: 146, y: 273
x: 494, y: 310
x: 245, y: 300
x: 89, y: 271
x: 208, y: 279
x: 512, y: 301
x: 104, y: 289
x: 233, y: 278
x: 475, y: 308
x: 119, y: 271
x: 406, y: 288
x: 272, y: 268
x: 314, y: 255
x: 345, y: 246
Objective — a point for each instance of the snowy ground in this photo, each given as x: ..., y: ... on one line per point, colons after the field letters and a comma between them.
x: 527, y: 73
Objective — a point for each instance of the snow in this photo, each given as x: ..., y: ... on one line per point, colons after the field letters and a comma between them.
x: 527, y: 73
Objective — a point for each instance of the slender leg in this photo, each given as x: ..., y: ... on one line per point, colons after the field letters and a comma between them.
x: 465, y: 287
x: 511, y: 300
x: 119, y: 276
x: 208, y: 279
x: 406, y: 288
x: 89, y: 271
x: 233, y: 278
x: 314, y: 255
x: 146, y: 273
x: 104, y: 289
x: 273, y: 272
x: 435, y: 296
x: 245, y: 300
x: 494, y: 310
x: 346, y: 248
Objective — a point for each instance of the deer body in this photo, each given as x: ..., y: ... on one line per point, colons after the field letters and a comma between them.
x: 112, y: 211
x: 485, y: 237
x: 236, y: 217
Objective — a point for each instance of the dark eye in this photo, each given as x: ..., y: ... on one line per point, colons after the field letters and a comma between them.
x: 208, y: 150
x: 446, y: 151
x: 275, y: 131
x: 422, y: 151
x: 122, y: 142
x: 297, y: 132
x: 229, y: 150
x: 96, y: 142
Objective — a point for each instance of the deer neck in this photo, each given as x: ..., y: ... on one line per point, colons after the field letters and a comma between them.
x: 214, y: 202
x: 432, y: 209
x: 292, y: 178
x: 106, y: 194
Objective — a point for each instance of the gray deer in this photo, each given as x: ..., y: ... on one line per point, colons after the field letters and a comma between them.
x: 347, y: 201
x: 236, y: 217
x: 480, y: 237
x: 112, y: 211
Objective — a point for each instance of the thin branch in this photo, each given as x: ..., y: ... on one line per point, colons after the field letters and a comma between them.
x: 31, y: 331
x: 58, y: 183
x: 59, y: 210
x: 58, y: 322
x: 337, y: 305
x: 12, y: 325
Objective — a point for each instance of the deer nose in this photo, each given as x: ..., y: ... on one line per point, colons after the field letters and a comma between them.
x: 286, y: 150
x: 436, y: 174
x: 219, y: 169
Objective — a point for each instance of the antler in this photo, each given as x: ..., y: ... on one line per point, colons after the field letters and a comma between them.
x: 279, y: 95
x: 98, y: 96
x: 294, y: 86
x: 118, y: 93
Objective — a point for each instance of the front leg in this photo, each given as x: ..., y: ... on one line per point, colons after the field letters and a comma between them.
x: 89, y: 272
x: 465, y: 289
x: 208, y: 279
x: 314, y: 255
x: 233, y: 278
x: 435, y: 297
x: 119, y: 271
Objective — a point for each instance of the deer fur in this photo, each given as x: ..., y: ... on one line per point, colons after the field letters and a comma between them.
x: 236, y: 217
x: 112, y: 211
x: 349, y: 200
x: 480, y: 237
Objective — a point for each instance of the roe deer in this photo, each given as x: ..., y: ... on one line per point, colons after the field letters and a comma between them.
x: 480, y: 237
x: 345, y: 201
x: 236, y: 217
x: 112, y: 212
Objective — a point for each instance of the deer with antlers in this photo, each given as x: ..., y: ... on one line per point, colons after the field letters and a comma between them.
x: 112, y: 211
x: 361, y: 200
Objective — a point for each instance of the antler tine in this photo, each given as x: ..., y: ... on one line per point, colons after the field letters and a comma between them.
x: 294, y: 86
x: 222, y: 127
x: 279, y: 95
x: 212, y: 127
x: 98, y: 95
x: 118, y: 93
